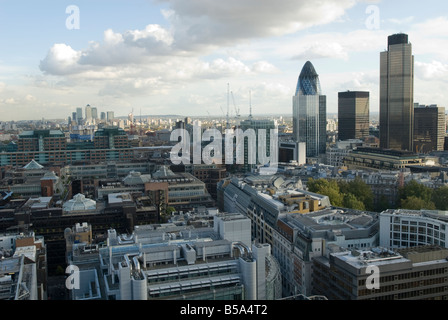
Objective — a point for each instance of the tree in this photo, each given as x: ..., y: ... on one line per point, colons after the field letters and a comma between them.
x: 360, y: 190
x: 440, y: 198
x: 415, y: 189
x: 328, y: 188
x: 382, y: 204
x: 416, y: 203
x: 352, y: 202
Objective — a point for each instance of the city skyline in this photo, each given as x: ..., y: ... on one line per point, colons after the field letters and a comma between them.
x: 167, y: 57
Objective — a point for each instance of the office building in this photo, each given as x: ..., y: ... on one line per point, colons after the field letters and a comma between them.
x: 23, y: 274
x: 337, y: 153
x: 210, y: 174
x: 88, y: 113
x: 418, y: 273
x: 353, y: 115
x: 264, y: 198
x: 292, y: 152
x: 94, y: 113
x: 397, y: 94
x: 177, y: 262
x: 251, y: 148
x: 429, y: 128
x: 42, y: 140
x: 50, y: 216
x: 51, y: 147
x: 381, y: 159
x: 79, y: 117
x: 410, y: 228
x: 110, y: 116
x: 310, y: 112
x: 110, y: 138
x: 300, y: 238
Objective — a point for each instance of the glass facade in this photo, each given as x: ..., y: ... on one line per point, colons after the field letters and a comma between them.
x: 310, y: 112
x: 353, y: 115
x: 396, y: 94
x: 429, y: 128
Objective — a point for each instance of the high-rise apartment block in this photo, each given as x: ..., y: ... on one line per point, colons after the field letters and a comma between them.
x: 309, y: 112
x: 353, y: 115
x: 397, y: 94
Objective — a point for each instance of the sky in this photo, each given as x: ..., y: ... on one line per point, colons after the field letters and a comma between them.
x: 200, y: 57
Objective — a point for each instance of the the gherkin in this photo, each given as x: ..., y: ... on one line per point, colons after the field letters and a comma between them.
x: 310, y: 112
x: 308, y: 83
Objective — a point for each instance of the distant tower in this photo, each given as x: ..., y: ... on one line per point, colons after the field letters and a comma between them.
x: 429, y: 128
x: 94, y: 113
x: 110, y: 116
x: 79, y: 115
x: 353, y: 115
x: 397, y: 94
x: 88, y: 113
x: 310, y: 112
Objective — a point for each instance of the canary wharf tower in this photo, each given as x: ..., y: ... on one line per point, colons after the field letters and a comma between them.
x: 310, y: 112
x: 397, y: 94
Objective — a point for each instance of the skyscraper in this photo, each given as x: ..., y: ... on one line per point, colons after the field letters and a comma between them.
x: 429, y: 128
x: 310, y: 112
x: 257, y: 126
x: 79, y: 115
x: 110, y: 116
x: 94, y: 113
x: 397, y: 94
x: 88, y: 113
x: 353, y: 115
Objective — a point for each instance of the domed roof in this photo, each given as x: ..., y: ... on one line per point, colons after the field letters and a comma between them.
x: 308, y: 70
x: 308, y: 83
x: 78, y: 203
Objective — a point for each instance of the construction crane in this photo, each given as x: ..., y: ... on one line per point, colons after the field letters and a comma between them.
x: 227, y: 117
x: 237, y: 110
x: 250, y: 104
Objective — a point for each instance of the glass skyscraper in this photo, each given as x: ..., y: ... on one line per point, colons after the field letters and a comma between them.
x: 429, y: 128
x: 256, y: 125
x: 397, y: 94
x: 310, y: 112
x: 353, y: 115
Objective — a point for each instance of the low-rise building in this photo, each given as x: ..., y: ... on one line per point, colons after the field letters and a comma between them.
x: 381, y: 159
x: 300, y: 238
x: 402, y: 228
x: 23, y: 267
x: 174, y: 262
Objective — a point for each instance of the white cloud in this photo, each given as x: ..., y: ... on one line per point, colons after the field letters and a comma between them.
x: 209, y: 23
x: 60, y: 60
x: 319, y: 50
x: 402, y: 21
x: 435, y: 70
